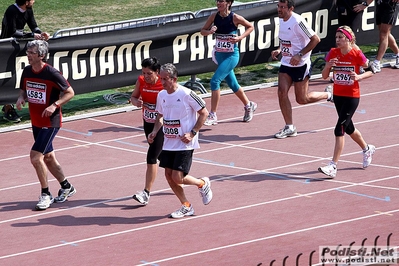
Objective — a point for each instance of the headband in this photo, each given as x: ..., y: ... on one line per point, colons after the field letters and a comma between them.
x: 346, y: 33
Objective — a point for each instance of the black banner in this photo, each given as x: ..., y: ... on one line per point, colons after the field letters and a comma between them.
x: 112, y: 59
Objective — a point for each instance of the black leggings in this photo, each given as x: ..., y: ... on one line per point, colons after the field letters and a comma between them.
x: 155, y: 148
x: 346, y: 107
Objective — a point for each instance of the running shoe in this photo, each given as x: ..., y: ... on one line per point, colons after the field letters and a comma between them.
x: 142, y: 197
x: 329, y: 170
x: 368, y: 156
x: 375, y: 67
x: 64, y: 193
x: 212, y: 119
x: 249, y: 111
x: 206, y: 191
x: 183, y: 211
x: 330, y: 89
x: 286, y: 132
x: 45, y: 201
x: 10, y: 114
x: 396, y: 65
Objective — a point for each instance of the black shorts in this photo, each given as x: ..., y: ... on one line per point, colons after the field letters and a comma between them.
x: 177, y: 160
x: 297, y: 74
x: 386, y: 12
x: 44, y: 139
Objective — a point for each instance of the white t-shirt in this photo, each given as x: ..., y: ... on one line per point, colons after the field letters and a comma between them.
x: 294, y: 35
x: 179, y: 110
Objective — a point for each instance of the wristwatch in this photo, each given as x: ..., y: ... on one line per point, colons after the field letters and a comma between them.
x: 56, y: 105
x: 193, y: 132
x: 300, y: 54
x: 365, y: 3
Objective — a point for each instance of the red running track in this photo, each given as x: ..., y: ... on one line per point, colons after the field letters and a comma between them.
x: 269, y: 202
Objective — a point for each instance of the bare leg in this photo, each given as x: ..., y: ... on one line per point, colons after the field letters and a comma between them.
x: 284, y: 84
x: 215, y: 98
x: 54, y: 166
x: 176, y: 182
x: 392, y: 44
x: 357, y: 137
x: 37, y: 160
x: 339, y: 146
x: 242, y: 96
x: 150, y: 175
x: 302, y: 95
x: 384, y: 32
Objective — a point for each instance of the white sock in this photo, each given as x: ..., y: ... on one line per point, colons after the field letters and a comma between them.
x: 291, y: 127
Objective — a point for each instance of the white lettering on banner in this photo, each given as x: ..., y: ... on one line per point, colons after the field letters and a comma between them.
x: 76, y: 74
x: 197, y: 47
x: 107, y: 61
x: 20, y: 63
x: 367, y: 15
x: 63, y: 68
x: 179, y: 45
x: 142, y: 52
x: 93, y: 68
x: 125, y: 50
x: 321, y: 23
x: 264, y: 40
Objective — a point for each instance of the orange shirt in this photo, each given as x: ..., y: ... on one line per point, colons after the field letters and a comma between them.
x: 149, y: 93
x: 343, y: 84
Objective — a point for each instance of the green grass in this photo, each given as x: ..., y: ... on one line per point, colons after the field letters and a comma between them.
x: 53, y: 15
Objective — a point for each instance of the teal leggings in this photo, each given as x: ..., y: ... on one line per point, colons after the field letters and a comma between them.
x: 225, y: 71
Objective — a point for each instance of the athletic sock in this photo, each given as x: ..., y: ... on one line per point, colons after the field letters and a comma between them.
x: 46, y: 191
x: 291, y: 127
x: 65, y: 184
x: 146, y: 191
x: 187, y: 204
x: 366, y: 149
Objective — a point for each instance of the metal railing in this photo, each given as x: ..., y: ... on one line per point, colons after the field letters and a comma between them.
x: 134, y: 23
x: 238, y: 6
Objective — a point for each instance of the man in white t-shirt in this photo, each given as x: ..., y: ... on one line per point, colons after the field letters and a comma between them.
x: 297, y: 41
x: 181, y: 114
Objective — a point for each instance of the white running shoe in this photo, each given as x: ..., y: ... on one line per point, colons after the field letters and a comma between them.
x: 183, y: 211
x: 212, y: 119
x: 329, y: 170
x: 330, y: 89
x: 375, y: 67
x: 249, y: 112
x: 142, y: 197
x: 206, y: 191
x: 368, y: 156
x: 286, y: 132
x: 396, y: 65
x: 44, y: 201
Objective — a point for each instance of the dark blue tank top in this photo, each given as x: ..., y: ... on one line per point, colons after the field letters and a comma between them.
x: 225, y: 25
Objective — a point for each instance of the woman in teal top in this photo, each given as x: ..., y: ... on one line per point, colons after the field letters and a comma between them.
x: 223, y: 24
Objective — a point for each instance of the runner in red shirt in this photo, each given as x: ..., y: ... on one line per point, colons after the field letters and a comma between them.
x: 41, y: 85
x: 145, y: 95
x: 345, y: 61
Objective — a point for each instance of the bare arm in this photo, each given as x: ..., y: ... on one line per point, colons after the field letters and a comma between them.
x: 135, y: 97
x: 157, y: 126
x: 240, y: 20
x: 208, y: 28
